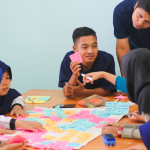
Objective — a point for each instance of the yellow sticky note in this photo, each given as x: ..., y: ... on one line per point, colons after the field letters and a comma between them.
x: 63, y: 139
x: 53, y: 113
x: 71, y: 131
x: 50, y: 122
x: 49, y: 137
x: 48, y: 128
x: 38, y: 101
x: 85, y: 136
x: 69, y: 136
x: 58, y: 130
x: 35, y: 115
x: 68, y: 120
x: 79, y: 141
x: 69, y: 112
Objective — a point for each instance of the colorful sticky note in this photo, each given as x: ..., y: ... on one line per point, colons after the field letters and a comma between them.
x: 110, y: 107
x: 68, y: 120
x: 31, y: 119
x: 44, y: 98
x: 121, y: 97
x: 122, y: 108
x: 69, y: 112
x: 49, y: 137
x: 35, y: 115
x: 75, y: 145
x: 55, y: 118
x: 71, y: 131
x: 76, y: 57
x: 85, y: 136
x: 37, y: 109
x: 47, y: 142
x: 17, y: 139
x: 99, y: 126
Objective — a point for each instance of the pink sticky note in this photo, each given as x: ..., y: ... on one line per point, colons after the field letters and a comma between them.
x: 43, y: 116
x: 21, y: 118
x: 5, y: 137
x: 99, y: 126
x: 96, y: 120
x: 17, y: 139
x: 55, y: 118
x: 37, y: 109
x: 76, y: 57
x: 120, y: 97
x: 110, y: 119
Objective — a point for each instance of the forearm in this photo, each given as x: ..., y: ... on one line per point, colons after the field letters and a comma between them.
x: 109, y: 77
x: 7, y: 122
x: 98, y: 91
x: 122, y: 48
x: 73, y: 82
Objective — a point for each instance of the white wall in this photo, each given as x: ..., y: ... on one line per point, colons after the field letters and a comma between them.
x: 36, y: 34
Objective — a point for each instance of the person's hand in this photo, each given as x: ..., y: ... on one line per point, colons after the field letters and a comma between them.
x: 75, y: 68
x: 29, y: 125
x: 14, y: 146
x: 4, y: 131
x: 93, y: 75
x: 113, y: 124
x: 75, y: 90
x: 18, y: 111
x: 134, y: 116
x: 137, y: 147
x: 110, y: 130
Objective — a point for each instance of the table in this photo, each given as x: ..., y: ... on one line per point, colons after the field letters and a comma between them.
x: 57, y: 97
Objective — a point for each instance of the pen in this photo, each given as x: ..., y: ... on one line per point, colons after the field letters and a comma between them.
x: 30, y: 99
x: 86, y: 77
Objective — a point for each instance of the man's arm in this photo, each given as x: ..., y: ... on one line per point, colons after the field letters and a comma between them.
x: 73, y: 82
x: 122, y: 47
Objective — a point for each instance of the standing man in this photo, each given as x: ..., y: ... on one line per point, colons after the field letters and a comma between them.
x: 131, y: 21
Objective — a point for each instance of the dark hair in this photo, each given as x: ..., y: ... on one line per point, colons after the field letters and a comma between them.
x: 82, y: 31
x: 145, y: 4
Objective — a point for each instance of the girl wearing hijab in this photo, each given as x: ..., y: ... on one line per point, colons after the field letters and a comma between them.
x: 9, y: 98
x: 136, y: 69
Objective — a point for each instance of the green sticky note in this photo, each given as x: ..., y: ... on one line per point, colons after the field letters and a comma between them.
x: 44, y: 98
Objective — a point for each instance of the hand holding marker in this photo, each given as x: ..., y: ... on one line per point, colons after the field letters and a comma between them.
x: 86, y: 77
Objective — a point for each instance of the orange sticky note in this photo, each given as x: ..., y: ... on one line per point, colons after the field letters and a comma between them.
x: 71, y: 131
x: 68, y: 120
x: 69, y: 112
x: 49, y: 137
x: 69, y: 136
x: 79, y: 141
x: 85, y: 136
x: 35, y: 115
x: 63, y: 139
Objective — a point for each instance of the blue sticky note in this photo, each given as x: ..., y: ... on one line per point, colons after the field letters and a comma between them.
x: 102, y: 123
x: 122, y: 108
x: 44, y: 98
x: 31, y: 112
x: 47, y: 142
x: 48, y: 114
x: 97, y: 112
x: 31, y: 119
x: 48, y: 110
x: 111, y: 107
x: 42, y: 122
x: 75, y: 145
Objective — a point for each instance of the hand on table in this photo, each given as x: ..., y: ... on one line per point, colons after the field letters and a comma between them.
x: 14, y: 146
x: 18, y: 111
x: 113, y: 124
x: 110, y: 130
x: 29, y: 125
x: 4, y: 131
x: 75, y: 90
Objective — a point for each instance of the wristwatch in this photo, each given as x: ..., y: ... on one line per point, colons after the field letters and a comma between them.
x: 119, y: 131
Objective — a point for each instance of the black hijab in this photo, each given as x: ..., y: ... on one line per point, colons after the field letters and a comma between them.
x: 136, y: 69
x: 6, y: 100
